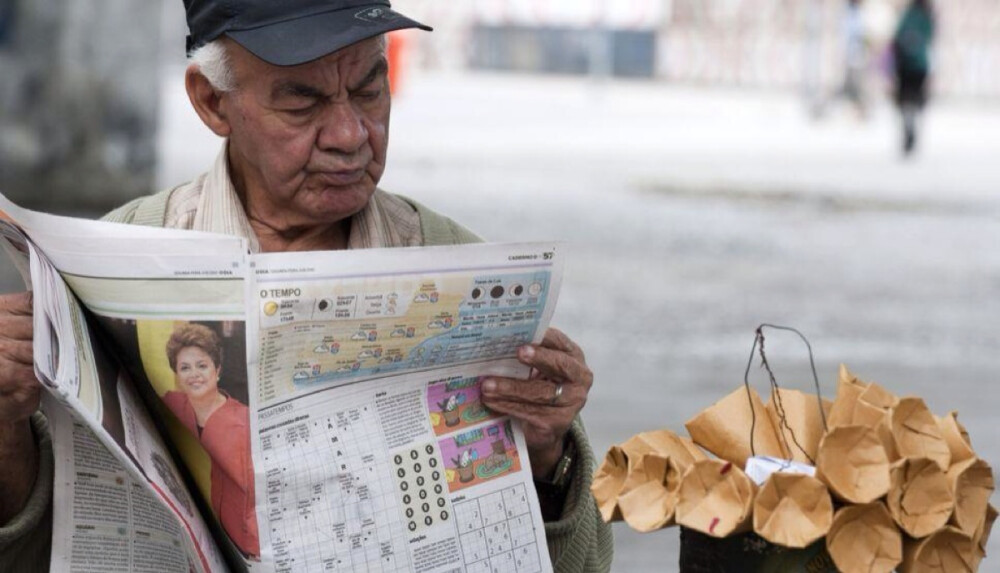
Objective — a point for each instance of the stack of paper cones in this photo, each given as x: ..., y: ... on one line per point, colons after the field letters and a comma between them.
x: 894, y: 486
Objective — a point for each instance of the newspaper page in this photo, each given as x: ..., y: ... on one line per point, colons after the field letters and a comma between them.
x: 372, y: 449
x: 108, y: 519
x: 323, y: 407
x: 110, y: 429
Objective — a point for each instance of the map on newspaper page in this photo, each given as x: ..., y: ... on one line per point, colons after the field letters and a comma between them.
x: 328, y: 332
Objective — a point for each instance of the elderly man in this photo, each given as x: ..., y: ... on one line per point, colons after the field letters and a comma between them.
x: 299, y: 90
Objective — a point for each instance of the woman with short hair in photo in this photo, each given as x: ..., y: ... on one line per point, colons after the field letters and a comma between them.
x: 222, y: 426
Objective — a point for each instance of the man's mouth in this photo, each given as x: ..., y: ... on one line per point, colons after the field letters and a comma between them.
x: 341, y: 177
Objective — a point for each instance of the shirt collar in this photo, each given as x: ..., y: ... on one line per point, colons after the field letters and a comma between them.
x: 382, y: 223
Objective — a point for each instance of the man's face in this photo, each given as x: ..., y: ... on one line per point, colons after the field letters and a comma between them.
x: 308, y: 143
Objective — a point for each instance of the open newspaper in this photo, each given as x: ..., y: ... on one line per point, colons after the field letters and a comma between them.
x: 217, y: 410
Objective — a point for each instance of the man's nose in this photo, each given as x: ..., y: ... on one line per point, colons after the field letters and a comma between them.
x: 343, y: 129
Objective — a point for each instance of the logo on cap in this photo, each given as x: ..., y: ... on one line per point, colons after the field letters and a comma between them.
x: 374, y: 15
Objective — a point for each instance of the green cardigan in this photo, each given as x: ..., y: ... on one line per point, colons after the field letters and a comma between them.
x: 580, y: 542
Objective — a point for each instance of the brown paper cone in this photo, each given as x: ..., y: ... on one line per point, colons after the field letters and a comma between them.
x: 920, y: 498
x: 666, y: 443
x: 957, y: 438
x: 608, y: 482
x: 947, y: 551
x: 853, y: 463
x: 849, y: 390
x: 972, y: 483
x: 804, y: 422
x: 724, y: 429
x: 715, y: 498
x: 864, y: 539
x: 879, y: 419
x: 650, y: 505
x: 643, y: 468
x: 792, y: 510
x: 917, y: 434
x: 879, y: 397
x: 982, y: 536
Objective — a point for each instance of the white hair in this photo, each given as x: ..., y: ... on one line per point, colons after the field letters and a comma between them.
x: 213, y: 62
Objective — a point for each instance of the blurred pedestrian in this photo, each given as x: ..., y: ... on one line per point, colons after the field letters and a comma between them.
x: 911, y: 48
x: 855, y: 56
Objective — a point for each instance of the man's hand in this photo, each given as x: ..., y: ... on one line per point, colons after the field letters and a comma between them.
x: 545, y: 411
x: 19, y: 396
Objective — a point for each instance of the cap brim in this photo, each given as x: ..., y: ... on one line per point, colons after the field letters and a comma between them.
x: 305, y: 39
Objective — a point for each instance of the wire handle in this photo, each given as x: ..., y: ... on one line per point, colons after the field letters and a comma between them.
x: 758, y: 344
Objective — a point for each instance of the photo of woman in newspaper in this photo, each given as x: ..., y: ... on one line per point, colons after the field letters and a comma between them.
x: 221, y: 425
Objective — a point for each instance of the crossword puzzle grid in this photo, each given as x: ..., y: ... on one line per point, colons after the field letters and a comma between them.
x: 330, y: 496
x: 497, y: 535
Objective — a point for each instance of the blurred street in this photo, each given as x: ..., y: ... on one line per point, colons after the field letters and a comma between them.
x: 693, y: 215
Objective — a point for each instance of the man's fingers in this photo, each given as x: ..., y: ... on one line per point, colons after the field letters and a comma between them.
x: 557, y: 340
x: 537, y: 392
x: 18, y: 304
x: 16, y: 327
x: 19, y: 394
x: 535, y: 415
x: 557, y: 364
x: 17, y: 352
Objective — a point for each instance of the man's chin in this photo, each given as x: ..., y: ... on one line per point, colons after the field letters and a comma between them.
x: 331, y: 204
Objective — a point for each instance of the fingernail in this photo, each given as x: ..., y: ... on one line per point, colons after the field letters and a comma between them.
x: 489, y: 385
x: 527, y: 352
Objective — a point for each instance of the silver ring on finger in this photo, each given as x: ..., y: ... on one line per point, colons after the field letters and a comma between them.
x: 555, y: 396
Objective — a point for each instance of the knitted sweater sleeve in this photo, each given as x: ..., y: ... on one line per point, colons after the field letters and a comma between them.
x: 26, y: 540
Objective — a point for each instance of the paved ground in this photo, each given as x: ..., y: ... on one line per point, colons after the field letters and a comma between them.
x: 693, y: 216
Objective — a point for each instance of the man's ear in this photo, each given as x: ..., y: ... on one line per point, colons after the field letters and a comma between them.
x: 206, y: 101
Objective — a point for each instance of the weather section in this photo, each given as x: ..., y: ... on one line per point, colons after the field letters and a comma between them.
x: 327, y: 333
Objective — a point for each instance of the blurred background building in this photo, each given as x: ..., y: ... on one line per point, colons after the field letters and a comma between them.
x: 81, y: 82
x: 79, y: 93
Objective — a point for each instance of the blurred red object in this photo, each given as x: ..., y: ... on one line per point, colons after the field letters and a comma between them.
x: 398, y: 45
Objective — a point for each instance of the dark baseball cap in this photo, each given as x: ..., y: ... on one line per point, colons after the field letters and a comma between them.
x: 291, y: 32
